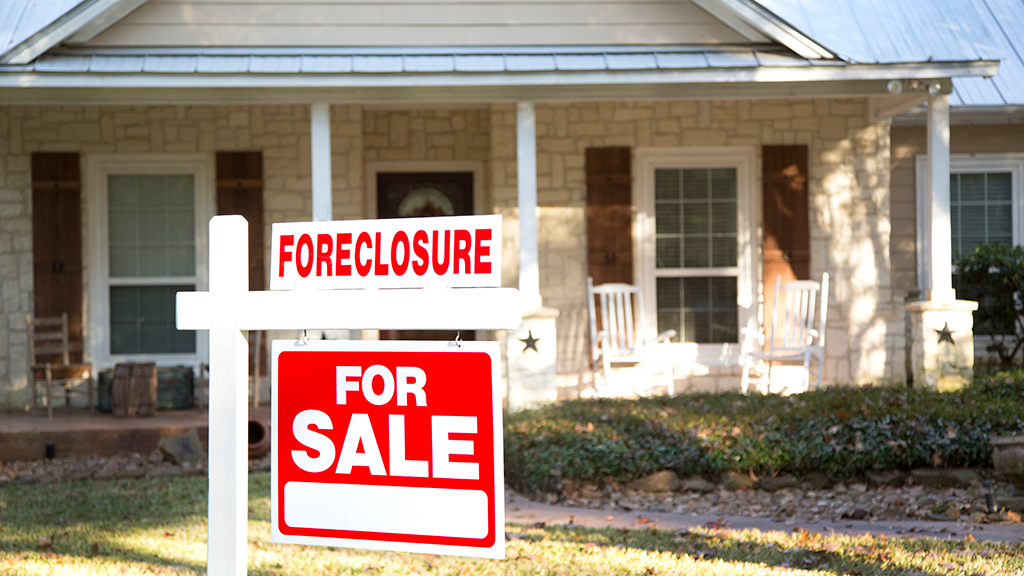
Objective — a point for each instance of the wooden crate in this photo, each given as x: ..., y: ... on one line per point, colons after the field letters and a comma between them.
x: 175, y: 388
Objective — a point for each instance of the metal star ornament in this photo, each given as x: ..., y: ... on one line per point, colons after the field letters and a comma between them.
x: 946, y: 335
x: 530, y: 342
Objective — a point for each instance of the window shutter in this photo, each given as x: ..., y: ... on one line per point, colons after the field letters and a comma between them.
x: 787, y: 240
x: 240, y: 191
x: 609, y: 215
x: 57, y: 241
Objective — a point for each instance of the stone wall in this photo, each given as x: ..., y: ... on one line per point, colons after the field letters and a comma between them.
x: 280, y: 132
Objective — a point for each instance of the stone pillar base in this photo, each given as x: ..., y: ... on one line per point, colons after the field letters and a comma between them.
x: 942, y: 343
x: 530, y: 358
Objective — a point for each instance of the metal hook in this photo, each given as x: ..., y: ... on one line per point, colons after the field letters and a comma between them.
x: 304, y: 339
x: 458, y: 338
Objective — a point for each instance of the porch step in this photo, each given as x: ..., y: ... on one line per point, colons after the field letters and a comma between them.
x: 23, y: 436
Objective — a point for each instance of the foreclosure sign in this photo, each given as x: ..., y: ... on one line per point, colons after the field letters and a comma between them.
x: 388, y: 446
x: 439, y: 252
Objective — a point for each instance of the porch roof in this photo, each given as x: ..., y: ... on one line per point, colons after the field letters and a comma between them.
x: 476, y: 73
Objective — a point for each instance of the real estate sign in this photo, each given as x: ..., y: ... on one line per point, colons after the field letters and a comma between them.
x: 388, y: 445
x: 446, y: 252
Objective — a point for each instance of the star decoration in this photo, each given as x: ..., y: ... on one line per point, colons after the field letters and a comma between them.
x: 530, y: 341
x: 945, y: 335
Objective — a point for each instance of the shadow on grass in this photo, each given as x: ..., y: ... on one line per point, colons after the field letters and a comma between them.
x: 842, y: 555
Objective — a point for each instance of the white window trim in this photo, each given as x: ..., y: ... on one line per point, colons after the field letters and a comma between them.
x: 965, y: 163
x: 98, y: 167
x: 743, y: 159
x: 424, y: 166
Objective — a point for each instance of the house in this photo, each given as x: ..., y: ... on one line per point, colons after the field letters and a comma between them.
x: 695, y: 147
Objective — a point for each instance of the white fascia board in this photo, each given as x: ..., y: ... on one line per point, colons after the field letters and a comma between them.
x: 90, y: 15
x: 966, y: 116
x: 768, y: 24
x: 22, y: 78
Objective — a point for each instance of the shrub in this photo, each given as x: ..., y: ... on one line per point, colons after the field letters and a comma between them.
x: 840, y: 431
x: 994, y: 275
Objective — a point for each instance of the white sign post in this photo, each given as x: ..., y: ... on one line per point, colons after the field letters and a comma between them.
x: 229, y: 309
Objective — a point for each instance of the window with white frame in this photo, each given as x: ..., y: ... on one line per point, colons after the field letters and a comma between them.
x: 695, y: 237
x: 985, y: 203
x: 148, y: 217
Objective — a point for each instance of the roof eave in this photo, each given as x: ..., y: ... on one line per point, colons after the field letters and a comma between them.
x: 84, y: 21
x: 766, y: 22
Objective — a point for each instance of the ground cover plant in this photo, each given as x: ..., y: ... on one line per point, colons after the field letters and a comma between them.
x: 840, y: 431
x: 138, y: 526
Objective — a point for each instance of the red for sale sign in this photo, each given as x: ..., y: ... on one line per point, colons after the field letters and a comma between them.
x: 388, y: 445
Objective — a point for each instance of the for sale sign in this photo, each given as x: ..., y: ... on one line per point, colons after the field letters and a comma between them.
x: 388, y: 445
x: 439, y: 252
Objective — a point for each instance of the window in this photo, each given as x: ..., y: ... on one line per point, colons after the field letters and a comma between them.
x: 148, y: 216
x: 695, y: 242
x: 695, y: 217
x: 985, y: 205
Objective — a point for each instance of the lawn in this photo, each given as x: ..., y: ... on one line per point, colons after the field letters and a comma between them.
x: 159, y: 527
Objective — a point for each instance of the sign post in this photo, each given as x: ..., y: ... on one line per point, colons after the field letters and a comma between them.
x: 228, y: 310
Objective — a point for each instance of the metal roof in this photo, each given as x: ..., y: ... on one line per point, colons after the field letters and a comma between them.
x: 20, y: 19
x: 341, y: 61
x: 882, y: 31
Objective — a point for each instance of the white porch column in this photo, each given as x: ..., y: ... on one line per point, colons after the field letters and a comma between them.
x: 941, y: 327
x: 530, y: 350
x: 526, y: 177
x: 940, y: 273
x: 320, y: 151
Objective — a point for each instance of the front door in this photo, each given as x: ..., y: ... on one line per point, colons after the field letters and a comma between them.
x: 422, y: 194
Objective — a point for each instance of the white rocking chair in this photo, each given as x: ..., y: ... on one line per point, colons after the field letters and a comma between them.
x: 620, y: 340
x: 793, y: 338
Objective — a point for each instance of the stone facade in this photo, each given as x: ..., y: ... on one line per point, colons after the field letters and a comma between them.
x: 849, y: 189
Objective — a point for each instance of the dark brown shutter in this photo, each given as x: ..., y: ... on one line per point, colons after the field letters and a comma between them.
x: 609, y: 215
x: 787, y: 240
x: 240, y: 191
x: 57, y: 241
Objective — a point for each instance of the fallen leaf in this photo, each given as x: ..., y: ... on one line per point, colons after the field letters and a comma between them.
x: 970, y: 538
x: 44, y: 542
x: 642, y: 520
x: 168, y: 534
x: 94, y: 549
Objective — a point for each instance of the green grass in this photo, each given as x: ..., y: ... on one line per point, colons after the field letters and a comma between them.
x: 159, y: 527
x: 841, y: 431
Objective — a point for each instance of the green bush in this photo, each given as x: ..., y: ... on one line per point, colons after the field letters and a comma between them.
x: 994, y: 276
x: 839, y: 431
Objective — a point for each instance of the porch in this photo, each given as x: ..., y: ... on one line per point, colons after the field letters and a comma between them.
x: 23, y: 435
x: 841, y: 145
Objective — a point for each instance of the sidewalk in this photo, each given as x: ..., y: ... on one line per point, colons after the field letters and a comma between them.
x: 519, y: 510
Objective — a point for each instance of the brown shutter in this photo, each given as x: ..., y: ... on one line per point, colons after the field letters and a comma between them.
x: 240, y: 191
x: 609, y: 215
x: 787, y: 240
x: 57, y: 241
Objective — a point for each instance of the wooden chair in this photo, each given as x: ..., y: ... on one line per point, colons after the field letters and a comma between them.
x: 50, y: 366
x: 793, y: 338
x: 255, y: 357
x: 620, y: 339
